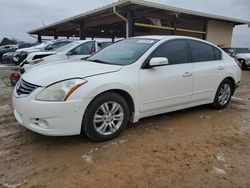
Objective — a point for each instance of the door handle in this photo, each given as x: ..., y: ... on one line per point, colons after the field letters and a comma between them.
x: 220, y: 68
x: 187, y: 74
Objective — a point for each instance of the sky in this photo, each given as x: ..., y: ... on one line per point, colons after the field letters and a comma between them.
x: 17, y: 17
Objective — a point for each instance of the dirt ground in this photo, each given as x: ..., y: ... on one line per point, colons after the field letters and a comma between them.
x: 198, y: 147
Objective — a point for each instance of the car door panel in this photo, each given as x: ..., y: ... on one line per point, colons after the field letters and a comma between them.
x: 165, y: 87
x: 170, y: 85
x: 206, y: 70
x: 205, y: 80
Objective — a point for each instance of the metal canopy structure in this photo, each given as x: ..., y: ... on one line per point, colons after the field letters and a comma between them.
x: 127, y: 18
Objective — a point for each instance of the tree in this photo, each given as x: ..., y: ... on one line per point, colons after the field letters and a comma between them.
x: 7, y: 41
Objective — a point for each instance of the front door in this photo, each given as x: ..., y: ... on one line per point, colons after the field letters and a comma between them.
x: 170, y: 85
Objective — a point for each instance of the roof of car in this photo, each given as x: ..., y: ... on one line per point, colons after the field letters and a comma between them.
x: 169, y: 37
x: 161, y: 37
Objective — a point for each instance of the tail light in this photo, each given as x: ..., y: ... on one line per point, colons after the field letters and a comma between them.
x: 239, y: 64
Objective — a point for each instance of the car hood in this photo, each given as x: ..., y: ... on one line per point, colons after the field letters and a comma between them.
x: 33, y: 54
x: 9, y: 54
x: 28, y: 50
x: 55, y: 57
x: 47, y: 74
x: 43, y: 53
x: 243, y: 55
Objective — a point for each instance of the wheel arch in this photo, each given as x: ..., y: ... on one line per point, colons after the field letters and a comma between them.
x: 126, y: 95
x: 231, y: 79
x: 241, y: 59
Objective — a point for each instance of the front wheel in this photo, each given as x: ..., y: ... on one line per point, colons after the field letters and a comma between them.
x: 223, y: 95
x: 106, y: 117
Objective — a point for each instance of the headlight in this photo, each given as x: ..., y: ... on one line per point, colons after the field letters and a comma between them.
x: 15, y: 57
x: 36, y: 61
x: 60, y: 91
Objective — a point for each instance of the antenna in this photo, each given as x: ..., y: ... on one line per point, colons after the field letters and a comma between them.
x: 43, y: 23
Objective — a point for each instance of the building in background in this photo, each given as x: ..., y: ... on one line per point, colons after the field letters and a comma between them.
x: 128, y: 18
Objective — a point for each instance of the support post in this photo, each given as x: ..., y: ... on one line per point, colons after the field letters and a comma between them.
x: 82, y: 32
x: 55, y: 35
x: 204, y: 36
x: 130, y: 24
x: 39, y: 38
x: 174, y: 25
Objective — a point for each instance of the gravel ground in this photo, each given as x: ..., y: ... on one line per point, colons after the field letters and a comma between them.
x: 197, y: 147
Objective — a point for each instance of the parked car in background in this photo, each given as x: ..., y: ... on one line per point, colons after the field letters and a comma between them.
x: 241, y: 54
x: 21, y: 54
x: 5, y: 49
x: 72, y: 51
x: 8, y: 58
x: 126, y: 81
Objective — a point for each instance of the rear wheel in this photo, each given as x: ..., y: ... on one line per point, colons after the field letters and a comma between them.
x: 106, y: 117
x: 223, y: 95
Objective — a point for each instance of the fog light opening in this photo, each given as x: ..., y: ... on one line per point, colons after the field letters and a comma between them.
x: 40, y: 123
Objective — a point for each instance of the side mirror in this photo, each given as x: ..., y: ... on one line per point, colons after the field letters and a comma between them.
x: 158, y: 61
x: 49, y: 48
x: 70, y: 53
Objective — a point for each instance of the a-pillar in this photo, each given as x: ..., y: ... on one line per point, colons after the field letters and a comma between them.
x: 174, y: 25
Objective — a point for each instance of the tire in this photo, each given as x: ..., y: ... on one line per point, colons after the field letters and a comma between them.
x: 223, y: 95
x: 101, y: 122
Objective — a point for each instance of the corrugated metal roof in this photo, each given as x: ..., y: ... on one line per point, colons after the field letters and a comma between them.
x: 146, y: 4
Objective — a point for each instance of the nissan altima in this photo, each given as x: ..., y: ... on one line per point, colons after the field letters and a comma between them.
x: 129, y: 80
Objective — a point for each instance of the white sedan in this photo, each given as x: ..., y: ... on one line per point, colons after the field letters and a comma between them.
x: 129, y: 80
x: 72, y: 51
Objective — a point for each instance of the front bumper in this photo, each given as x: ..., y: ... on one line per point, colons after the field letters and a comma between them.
x: 7, y: 59
x: 50, y: 118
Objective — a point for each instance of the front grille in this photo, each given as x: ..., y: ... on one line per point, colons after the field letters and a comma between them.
x: 24, y: 88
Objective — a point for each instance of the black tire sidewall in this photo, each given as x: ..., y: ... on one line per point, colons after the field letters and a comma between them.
x: 88, y: 125
x: 216, y: 103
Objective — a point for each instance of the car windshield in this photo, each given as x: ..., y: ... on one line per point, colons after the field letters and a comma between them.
x: 124, y: 52
x: 242, y: 51
x: 67, y: 46
x: 42, y: 44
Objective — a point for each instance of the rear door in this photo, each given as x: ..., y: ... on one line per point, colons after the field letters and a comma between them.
x: 207, y: 70
x: 170, y: 85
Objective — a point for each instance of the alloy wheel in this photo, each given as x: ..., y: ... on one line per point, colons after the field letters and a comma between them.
x: 108, y: 118
x: 224, y: 94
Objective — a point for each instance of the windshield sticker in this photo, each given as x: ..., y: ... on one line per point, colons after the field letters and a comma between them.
x: 145, y: 41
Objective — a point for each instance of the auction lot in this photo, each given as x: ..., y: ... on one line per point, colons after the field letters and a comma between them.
x: 198, y: 147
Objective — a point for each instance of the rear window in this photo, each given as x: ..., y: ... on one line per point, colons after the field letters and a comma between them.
x: 217, y: 53
x: 242, y: 51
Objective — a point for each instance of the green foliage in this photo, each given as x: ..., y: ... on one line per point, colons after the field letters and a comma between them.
x: 7, y: 41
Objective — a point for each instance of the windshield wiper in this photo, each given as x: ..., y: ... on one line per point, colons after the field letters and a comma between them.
x: 98, y: 61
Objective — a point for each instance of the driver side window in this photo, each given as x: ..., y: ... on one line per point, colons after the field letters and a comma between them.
x: 85, y: 49
x: 175, y: 50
